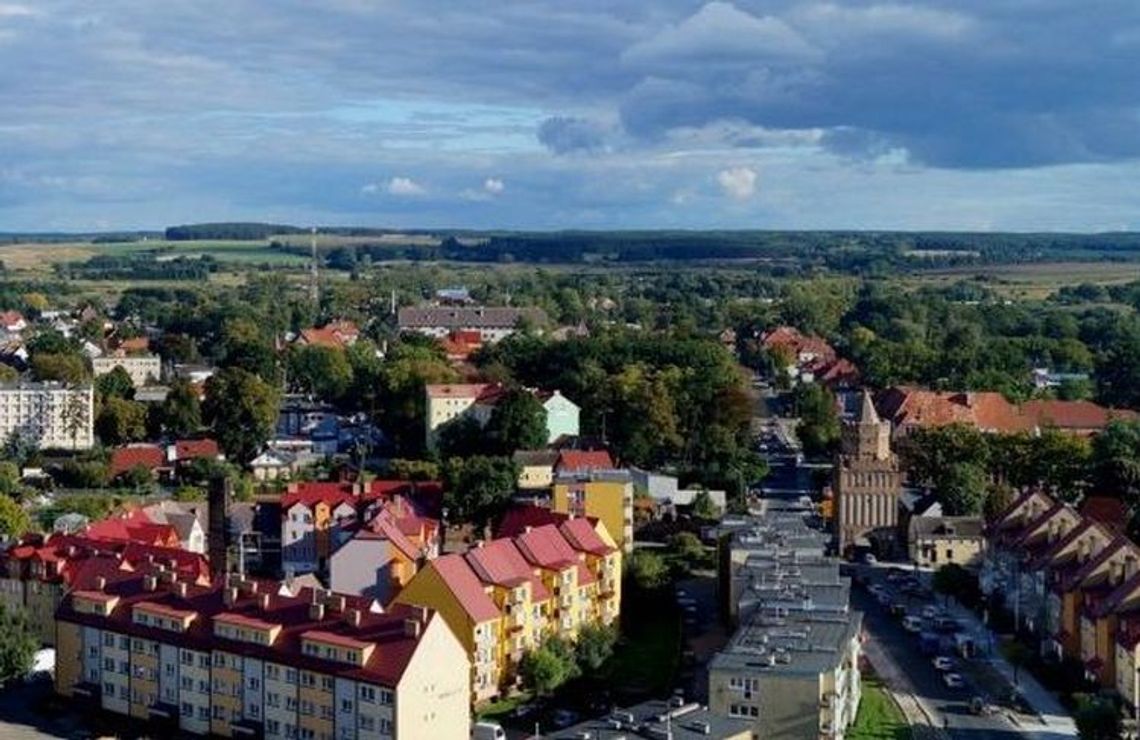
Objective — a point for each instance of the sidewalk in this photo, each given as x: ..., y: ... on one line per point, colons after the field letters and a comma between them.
x: 1055, y: 721
x: 918, y: 715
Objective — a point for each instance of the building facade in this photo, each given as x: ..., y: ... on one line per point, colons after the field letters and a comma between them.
x: 244, y: 658
x: 867, y: 483
x: 491, y: 323
x: 503, y: 597
x: 50, y: 415
x: 603, y: 494
x: 143, y: 369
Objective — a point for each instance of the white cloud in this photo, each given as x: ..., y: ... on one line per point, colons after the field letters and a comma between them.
x: 494, y: 186
x: 404, y: 187
x: 738, y: 183
x: 370, y: 189
x: 11, y: 10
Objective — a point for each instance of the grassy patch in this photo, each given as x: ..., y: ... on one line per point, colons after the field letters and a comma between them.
x: 500, y: 709
x: 879, y: 717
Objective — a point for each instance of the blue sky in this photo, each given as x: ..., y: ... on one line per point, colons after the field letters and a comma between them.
x: 944, y: 114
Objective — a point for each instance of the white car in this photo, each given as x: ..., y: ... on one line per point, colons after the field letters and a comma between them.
x: 953, y: 681
x: 929, y: 612
x: 943, y: 663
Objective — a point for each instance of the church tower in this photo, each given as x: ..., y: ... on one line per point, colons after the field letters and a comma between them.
x: 867, y: 482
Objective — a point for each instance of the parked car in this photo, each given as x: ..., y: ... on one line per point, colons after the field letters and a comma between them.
x: 911, y: 623
x: 870, y: 559
x: 943, y: 663
x: 487, y: 731
x: 929, y: 611
x: 981, y: 706
x: 953, y: 680
x: 563, y: 718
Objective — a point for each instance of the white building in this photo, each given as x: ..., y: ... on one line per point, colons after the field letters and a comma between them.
x: 143, y: 369
x: 50, y: 415
x: 492, y: 323
x: 451, y: 401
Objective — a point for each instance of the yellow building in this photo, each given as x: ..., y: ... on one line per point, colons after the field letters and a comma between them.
x: 937, y: 541
x: 604, y: 494
x: 502, y: 598
x: 248, y: 658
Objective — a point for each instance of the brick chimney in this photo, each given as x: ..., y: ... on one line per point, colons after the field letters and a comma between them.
x: 220, y: 494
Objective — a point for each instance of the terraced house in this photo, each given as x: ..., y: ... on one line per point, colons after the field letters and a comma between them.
x: 503, y: 597
x: 248, y: 658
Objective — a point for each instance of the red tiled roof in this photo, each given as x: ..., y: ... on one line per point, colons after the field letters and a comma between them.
x: 583, y: 537
x: 517, y: 518
x: 546, y: 548
x: 393, y: 646
x: 500, y: 562
x: 134, y: 344
x: 580, y: 461
x: 792, y: 339
x: 464, y: 585
x: 384, y: 525
x: 1073, y: 415
x: 455, y: 390
x: 192, y: 449
x: 148, y: 456
x: 311, y: 493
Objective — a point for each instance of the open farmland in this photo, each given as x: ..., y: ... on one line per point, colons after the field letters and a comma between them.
x: 1030, y: 281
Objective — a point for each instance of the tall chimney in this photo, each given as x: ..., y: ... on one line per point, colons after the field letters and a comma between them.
x: 221, y: 492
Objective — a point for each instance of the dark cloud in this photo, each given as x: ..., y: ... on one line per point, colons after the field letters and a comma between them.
x: 567, y: 134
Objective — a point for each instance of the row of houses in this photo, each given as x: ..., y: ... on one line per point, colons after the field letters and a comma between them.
x: 792, y: 666
x: 1071, y: 578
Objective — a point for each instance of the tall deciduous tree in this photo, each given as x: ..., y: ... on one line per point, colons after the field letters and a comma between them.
x: 115, y: 384
x: 182, y: 410
x: 818, y: 429
x: 19, y: 641
x: 121, y: 421
x: 962, y: 490
x: 242, y: 409
x: 477, y: 489
x: 518, y: 422
x: 323, y: 371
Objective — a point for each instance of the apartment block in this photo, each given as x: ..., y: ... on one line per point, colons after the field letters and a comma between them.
x: 449, y: 402
x: 502, y: 597
x: 603, y: 494
x: 791, y: 668
x: 143, y: 369
x: 50, y: 415
x: 491, y: 323
x: 37, y: 572
x: 248, y: 658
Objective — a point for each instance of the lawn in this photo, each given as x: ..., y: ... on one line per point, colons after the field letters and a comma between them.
x: 879, y: 717
x: 501, y: 709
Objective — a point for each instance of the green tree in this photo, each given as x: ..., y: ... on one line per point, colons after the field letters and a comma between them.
x: 688, y: 547
x: 115, y: 384
x: 962, y: 490
x: 647, y: 570
x: 242, y: 409
x: 188, y: 494
x: 14, y: 519
x: 419, y: 470
x: 324, y: 372
x: 928, y: 453
x: 19, y: 641
x: 703, y: 506
x: 462, y: 437
x: 8, y: 374
x: 518, y: 422
x: 401, y: 405
x: 818, y: 429
x: 121, y: 421
x: 548, y: 666
x: 76, y: 416
x: 246, y: 346
x: 10, y: 479
x: 139, y: 476
x: 182, y: 410
x: 69, y: 367
x: 595, y: 646
x: 477, y: 489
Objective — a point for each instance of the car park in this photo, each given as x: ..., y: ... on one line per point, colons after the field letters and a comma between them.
x: 953, y: 680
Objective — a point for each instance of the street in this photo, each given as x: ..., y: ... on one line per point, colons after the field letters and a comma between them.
x: 897, y: 658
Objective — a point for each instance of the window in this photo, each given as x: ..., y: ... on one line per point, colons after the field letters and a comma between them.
x: 272, y: 672
x: 386, y: 696
x: 203, y: 714
x: 187, y: 683
x: 108, y: 639
x: 385, y: 726
x: 254, y: 710
x: 346, y: 705
x: 272, y: 726
x: 254, y: 683
x: 290, y: 675
x: 273, y: 699
x: 368, y: 694
x: 109, y: 665
x: 124, y: 642
x: 187, y: 709
x: 367, y: 723
x: 290, y: 704
x: 124, y: 667
x: 203, y: 660
x: 306, y: 707
x: 93, y: 651
x: 109, y: 689
x: 326, y: 712
x: 327, y: 683
x: 187, y: 657
x: 219, y: 712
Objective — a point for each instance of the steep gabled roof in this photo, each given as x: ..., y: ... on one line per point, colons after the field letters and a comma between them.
x: 580, y: 461
x: 460, y: 579
x: 546, y: 548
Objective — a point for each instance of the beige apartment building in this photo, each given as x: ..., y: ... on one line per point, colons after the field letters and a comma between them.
x: 249, y: 658
x: 143, y: 369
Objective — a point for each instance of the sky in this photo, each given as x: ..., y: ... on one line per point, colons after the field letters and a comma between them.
x: 589, y: 114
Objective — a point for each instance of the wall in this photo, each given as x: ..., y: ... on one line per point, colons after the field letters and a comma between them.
x: 433, y: 703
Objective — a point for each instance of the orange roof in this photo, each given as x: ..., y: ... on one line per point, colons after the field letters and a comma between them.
x: 790, y: 338
x: 334, y: 335
x: 123, y: 459
x: 193, y: 449
x: 1074, y: 415
x: 135, y: 344
x: 546, y: 548
x: 455, y: 390
x: 581, y: 461
x: 312, y: 493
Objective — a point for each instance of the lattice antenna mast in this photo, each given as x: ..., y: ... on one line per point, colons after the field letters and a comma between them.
x: 314, y: 285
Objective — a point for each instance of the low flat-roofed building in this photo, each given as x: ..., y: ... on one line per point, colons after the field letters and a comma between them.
x: 677, y: 720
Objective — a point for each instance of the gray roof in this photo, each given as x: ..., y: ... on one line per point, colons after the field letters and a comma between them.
x: 535, y: 457
x: 687, y: 722
x: 792, y: 645
x: 459, y: 317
